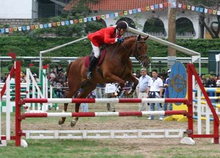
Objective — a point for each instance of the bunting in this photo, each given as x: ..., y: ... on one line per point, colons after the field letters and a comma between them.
x: 155, y: 7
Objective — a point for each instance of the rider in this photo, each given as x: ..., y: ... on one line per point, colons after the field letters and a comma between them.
x: 109, y: 35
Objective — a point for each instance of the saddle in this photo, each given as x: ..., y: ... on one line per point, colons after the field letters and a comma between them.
x: 100, y: 59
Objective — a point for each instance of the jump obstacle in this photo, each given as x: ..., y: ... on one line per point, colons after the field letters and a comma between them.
x: 19, y: 133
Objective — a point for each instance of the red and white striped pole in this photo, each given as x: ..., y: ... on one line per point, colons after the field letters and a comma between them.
x: 105, y: 114
x: 105, y: 100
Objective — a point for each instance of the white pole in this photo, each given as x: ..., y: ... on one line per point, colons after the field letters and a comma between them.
x: 55, y: 48
x: 28, y: 87
x: 199, y: 105
x: 40, y: 66
x: 166, y: 43
x: 8, y: 109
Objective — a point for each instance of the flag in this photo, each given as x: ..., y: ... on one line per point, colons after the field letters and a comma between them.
x: 46, y: 66
x: 67, y: 22
x: 89, y: 19
x: 134, y: 11
x: 58, y: 23
x: 2, y: 30
x: 125, y: 12
x: 45, y: 25
x: 41, y: 26
x: 24, y: 28
x: 7, y: 30
x: 49, y: 25
x: 31, y: 64
x: 28, y: 28
x: 112, y: 15
x: 19, y: 28
x: 71, y: 22
x: 62, y: 23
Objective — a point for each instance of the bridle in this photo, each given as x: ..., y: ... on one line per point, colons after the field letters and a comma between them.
x: 140, y: 58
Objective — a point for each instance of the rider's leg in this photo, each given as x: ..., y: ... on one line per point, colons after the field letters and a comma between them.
x: 93, y: 61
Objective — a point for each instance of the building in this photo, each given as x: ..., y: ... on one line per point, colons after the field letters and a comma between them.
x: 187, y: 21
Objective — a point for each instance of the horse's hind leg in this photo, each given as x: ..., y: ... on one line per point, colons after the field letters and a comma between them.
x: 68, y: 95
x: 85, y: 91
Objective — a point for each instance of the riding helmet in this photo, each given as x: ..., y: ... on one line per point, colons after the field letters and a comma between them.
x: 122, y: 25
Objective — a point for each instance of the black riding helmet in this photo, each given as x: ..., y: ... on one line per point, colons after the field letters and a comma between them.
x: 122, y: 25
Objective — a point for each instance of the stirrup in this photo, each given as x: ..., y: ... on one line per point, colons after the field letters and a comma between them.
x: 89, y: 74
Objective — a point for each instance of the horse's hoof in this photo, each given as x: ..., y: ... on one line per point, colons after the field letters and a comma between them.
x: 72, y: 123
x: 60, y: 122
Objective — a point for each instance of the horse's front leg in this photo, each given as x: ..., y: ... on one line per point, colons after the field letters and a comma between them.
x: 115, y: 79
x: 74, y: 120
x: 135, y: 83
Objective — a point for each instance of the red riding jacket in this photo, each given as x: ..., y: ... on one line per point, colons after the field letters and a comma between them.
x: 103, y: 36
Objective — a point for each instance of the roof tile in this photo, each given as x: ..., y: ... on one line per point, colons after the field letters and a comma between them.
x: 108, y: 5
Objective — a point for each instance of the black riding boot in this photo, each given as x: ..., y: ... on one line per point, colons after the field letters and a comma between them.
x: 91, y: 66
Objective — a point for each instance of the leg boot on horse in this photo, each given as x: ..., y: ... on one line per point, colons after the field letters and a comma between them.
x: 91, y: 66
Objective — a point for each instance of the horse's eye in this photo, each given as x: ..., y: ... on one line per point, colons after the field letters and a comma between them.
x: 139, y: 48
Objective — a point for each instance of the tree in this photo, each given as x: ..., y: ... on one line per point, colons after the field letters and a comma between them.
x: 214, y: 27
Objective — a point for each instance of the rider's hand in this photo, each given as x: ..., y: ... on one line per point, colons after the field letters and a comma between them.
x: 120, y: 40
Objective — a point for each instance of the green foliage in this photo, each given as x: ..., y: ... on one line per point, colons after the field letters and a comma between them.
x: 26, y: 46
x: 34, y: 69
x: 10, y: 66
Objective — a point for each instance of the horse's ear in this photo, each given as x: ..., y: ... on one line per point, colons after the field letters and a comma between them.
x: 139, y: 37
x: 145, y: 38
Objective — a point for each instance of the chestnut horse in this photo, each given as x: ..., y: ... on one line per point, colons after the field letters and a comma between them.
x: 115, y: 68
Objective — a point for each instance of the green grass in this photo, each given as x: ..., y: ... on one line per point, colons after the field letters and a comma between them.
x: 63, y: 149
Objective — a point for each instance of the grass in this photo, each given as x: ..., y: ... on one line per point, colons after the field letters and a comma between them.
x: 64, y: 149
x: 105, y: 148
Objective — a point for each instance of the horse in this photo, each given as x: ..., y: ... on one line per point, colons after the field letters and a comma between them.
x: 116, y: 67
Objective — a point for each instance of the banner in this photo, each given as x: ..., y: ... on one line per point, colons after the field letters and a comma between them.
x: 153, y: 7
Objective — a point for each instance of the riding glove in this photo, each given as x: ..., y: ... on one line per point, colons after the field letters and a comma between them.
x: 120, y: 40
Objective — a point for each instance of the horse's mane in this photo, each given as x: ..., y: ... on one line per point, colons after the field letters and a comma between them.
x: 128, y: 37
x: 125, y: 38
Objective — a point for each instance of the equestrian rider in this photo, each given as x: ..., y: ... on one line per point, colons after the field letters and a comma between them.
x: 109, y: 35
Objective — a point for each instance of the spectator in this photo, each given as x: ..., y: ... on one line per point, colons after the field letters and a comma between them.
x: 166, y: 91
x: 142, y: 88
x: 59, y: 69
x: 218, y: 81
x: 164, y: 74
x: 204, y: 81
x: 58, y: 89
x: 110, y: 91
x: 138, y: 73
x: 155, y: 91
x: 85, y: 106
x: 211, y: 82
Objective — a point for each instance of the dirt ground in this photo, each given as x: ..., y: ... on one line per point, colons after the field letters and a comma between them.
x: 169, y: 147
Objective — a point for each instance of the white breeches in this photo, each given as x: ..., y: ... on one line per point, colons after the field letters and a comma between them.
x: 96, y: 50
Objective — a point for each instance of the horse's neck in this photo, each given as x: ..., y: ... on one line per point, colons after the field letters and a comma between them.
x: 127, y: 46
